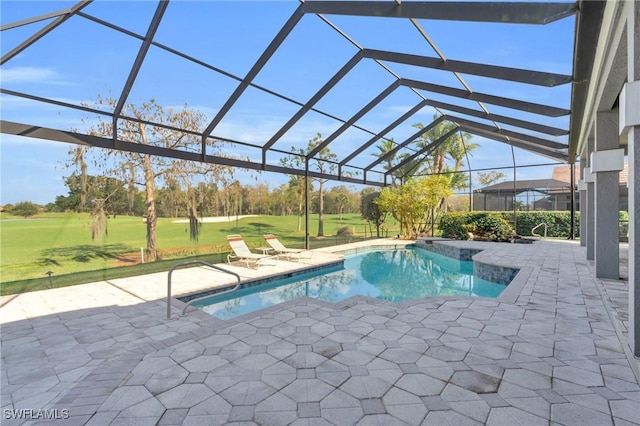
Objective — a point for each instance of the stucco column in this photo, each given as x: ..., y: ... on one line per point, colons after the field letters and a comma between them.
x: 634, y: 237
x: 590, y: 206
x: 582, y: 190
x: 606, y: 162
x: 630, y: 124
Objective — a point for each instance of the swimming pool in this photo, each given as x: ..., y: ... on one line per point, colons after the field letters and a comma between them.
x: 391, y: 275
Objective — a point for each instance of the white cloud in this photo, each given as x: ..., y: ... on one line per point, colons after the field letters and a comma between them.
x: 31, y: 75
x: 401, y: 109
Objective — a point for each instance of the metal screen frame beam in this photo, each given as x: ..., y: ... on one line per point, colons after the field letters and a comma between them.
x: 375, y: 101
x: 44, y: 31
x: 314, y: 99
x: 38, y: 132
x: 518, y: 144
x: 54, y: 102
x: 555, y: 163
x: 534, y: 108
x: 386, y: 130
x: 426, y: 150
x: 137, y: 63
x: 123, y: 117
x: 405, y: 143
x: 509, y: 133
x: 255, y: 69
x: 549, y: 154
x: 211, y: 67
x: 538, y: 78
x: 527, y: 13
x: 515, y: 13
x: 35, y: 19
x: 541, y: 128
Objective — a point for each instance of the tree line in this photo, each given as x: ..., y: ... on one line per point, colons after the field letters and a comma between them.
x: 213, y: 199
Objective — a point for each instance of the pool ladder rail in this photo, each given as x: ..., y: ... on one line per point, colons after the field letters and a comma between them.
x: 197, y: 262
x: 533, y: 230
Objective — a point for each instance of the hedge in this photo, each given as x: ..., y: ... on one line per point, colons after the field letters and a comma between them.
x: 558, y: 222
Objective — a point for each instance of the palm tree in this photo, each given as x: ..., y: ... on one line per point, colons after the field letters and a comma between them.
x: 438, y: 161
x: 385, y: 147
x: 449, y: 156
x: 454, y: 148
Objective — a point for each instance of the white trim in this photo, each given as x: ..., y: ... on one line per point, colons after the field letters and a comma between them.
x: 582, y: 185
x: 588, y: 176
x: 629, y: 106
x: 610, y: 160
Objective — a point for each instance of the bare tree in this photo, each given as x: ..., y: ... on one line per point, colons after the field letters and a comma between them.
x: 154, y: 170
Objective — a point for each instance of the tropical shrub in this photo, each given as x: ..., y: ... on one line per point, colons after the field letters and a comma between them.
x: 452, y: 225
x: 344, y: 231
x: 411, y: 202
x: 623, y: 220
x: 482, y: 225
x: 491, y: 227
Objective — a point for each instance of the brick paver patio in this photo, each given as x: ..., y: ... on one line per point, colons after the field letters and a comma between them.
x: 552, y: 353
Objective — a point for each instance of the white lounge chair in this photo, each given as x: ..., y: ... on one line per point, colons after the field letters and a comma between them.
x: 280, y: 249
x: 241, y: 252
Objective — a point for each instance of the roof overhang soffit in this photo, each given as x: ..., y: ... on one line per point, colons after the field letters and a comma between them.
x: 588, y: 24
x: 509, y: 12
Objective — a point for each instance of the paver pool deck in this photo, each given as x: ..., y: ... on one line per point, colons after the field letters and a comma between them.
x: 551, y: 352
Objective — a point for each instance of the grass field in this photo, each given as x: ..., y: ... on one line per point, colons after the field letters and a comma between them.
x: 61, y: 243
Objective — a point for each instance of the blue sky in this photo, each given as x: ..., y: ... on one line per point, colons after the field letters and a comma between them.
x: 81, y: 60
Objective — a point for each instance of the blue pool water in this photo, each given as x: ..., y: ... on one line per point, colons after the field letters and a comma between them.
x: 391, y: 275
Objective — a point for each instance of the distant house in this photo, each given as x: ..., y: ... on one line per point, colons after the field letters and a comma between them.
x: 539, y: 194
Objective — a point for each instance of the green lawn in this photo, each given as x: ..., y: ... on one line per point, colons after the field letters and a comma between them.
x: 62, y: 243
